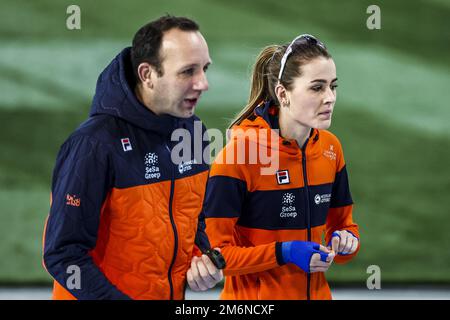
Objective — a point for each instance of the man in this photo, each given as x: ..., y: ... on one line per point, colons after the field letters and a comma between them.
x: 124, y: 217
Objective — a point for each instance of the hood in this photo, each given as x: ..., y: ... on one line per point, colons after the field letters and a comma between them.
x: 114, y: 95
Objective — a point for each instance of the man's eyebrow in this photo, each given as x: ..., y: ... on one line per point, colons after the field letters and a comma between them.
x: 195, y: 65
x: 192, y: 65
x: 323, y: 80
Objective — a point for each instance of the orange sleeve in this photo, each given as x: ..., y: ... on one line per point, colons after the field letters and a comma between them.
x: 239, y: 260
x: 225, y: 195
x: 341, y: 208
x: 341, y: 219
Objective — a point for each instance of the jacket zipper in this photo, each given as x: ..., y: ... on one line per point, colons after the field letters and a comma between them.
x: 174, y: 228
x: 308, y: 212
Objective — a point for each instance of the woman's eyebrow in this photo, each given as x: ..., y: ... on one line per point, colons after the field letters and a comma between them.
x: 323, y: 80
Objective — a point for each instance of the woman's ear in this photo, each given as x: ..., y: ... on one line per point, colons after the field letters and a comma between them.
x: 282, y: 95
x: 145, y: 71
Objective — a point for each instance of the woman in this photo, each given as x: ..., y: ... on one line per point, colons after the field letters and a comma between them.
x: 270, y: 227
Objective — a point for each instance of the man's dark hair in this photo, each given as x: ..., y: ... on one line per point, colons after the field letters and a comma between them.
x: 147, y: 41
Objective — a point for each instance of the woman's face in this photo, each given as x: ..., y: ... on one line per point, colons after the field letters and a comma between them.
x: 312, y: 97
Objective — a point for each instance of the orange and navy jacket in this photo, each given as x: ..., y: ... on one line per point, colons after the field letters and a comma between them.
x: 248, y: 215
x: 123, y: 216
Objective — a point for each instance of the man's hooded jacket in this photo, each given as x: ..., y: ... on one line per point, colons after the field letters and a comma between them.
x: 124, y: 217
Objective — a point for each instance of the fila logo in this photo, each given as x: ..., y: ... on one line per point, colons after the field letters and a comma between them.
x: 283, y: 177
x: 126, y: 144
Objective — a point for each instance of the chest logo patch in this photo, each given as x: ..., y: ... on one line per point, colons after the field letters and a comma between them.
x: 288, y: 209
x: 126, y: 144
x: 331, y: 154
x: 151, y: 166
x: 283, y: 177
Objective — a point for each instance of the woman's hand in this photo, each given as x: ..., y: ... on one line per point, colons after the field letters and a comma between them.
x: 343, y: 242
x: 317, y: 264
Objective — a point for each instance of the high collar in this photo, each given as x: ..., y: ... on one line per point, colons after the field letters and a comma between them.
x: 265, y: 116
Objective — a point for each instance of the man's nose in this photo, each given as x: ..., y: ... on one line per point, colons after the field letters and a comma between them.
x: 201, y: 82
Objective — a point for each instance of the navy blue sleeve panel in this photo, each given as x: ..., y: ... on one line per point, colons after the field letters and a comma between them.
x: 224, y: 197
x: 81, y: 180
x: 340, y: 195
x: 201, y: 238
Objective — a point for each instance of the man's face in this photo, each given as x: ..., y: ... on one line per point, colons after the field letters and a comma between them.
x: 185, y: 58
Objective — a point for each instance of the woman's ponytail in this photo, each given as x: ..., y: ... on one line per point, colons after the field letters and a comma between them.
x: 260, y: 85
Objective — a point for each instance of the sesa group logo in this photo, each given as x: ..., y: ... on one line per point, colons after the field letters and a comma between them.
x: 288, y: 209
x: 151, y: 166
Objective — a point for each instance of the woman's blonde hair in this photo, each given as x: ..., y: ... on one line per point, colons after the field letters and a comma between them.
x: 267, y: 67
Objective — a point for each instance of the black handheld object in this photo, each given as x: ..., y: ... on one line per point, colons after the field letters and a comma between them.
x: 216, y: 257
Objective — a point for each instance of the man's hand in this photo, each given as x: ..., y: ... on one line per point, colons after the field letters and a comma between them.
x: 343, y: 242
x: 203, y: 274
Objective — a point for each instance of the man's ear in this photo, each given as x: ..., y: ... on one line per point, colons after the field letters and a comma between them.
x: 145, y: 72
x: 282, y: 95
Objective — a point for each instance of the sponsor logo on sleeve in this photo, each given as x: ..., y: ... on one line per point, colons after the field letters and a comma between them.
x: 73, y: 200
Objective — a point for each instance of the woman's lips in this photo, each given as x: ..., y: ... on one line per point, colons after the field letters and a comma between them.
x: 326, y: 114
